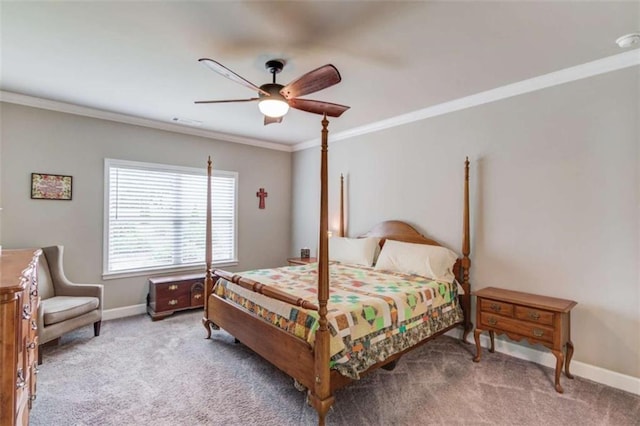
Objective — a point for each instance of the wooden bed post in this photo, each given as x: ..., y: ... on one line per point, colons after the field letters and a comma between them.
x: 341, y: 231
x: 208, y: 281
x: 321, y: 398
x: 466, y: 262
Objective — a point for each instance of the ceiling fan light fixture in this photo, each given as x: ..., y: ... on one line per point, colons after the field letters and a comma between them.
x: 628, y: 40
x: 274, y: 100
x: 273, y: 108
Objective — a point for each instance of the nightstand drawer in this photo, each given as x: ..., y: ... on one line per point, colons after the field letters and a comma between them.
x: 496, y: 307
x: 522, y: 328
x: 534, y: 315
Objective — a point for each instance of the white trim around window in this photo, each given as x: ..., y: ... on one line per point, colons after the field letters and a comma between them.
x: 155, y: 214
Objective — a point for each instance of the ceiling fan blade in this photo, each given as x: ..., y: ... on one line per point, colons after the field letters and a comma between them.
x: 226, y: 101
x: 318, y: 107
x: 270, y: 120
x: 226, y: 72
x: 315, y: 80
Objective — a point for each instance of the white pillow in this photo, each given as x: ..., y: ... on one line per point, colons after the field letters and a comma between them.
x: 357, y: 251
x: 432, y: 262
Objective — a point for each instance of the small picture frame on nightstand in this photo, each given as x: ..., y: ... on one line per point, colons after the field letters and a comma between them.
x: 305, y: 253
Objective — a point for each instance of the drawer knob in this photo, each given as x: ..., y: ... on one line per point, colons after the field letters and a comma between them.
x: 34, y: 325
x: 495, y: 307
x: 20, y: 382
x: 534, y: 315
x: 492, y: 321
x: 537, y: 333
x: 173, y: 302
x: 173, y: 287
x: 31, y: 346
x: 197, y: 296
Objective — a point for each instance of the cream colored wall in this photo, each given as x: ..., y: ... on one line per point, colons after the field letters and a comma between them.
x: 35, y: 140
x: 555, y: 199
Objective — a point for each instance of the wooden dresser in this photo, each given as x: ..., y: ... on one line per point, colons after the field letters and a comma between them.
x: 168, y: 294
x: 538, y: 319
x: 18, y: 334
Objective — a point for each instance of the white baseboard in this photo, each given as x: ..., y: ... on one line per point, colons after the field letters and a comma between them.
x: 587, y: 371
x: 126, y: 311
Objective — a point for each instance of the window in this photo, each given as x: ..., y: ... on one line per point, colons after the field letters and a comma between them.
x: 155, y: 217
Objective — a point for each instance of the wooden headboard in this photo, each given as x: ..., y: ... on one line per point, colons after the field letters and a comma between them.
x: 399, y: 231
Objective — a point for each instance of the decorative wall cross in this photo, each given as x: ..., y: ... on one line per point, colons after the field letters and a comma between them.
x: 262, y: 195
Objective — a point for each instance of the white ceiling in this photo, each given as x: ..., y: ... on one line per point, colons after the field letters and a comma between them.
x: 140, y: 58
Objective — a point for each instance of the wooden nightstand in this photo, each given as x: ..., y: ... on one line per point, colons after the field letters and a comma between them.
x: 539, y: 319
x: 301, y: 260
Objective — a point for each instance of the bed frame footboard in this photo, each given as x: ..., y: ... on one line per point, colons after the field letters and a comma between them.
x: 288, y: 353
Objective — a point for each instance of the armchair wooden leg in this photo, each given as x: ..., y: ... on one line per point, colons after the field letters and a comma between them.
x: 96, y: 328
x: 39, y: 354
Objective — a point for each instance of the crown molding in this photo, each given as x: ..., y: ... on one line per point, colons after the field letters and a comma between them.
x: 31, y: 101
x: 578, y: 72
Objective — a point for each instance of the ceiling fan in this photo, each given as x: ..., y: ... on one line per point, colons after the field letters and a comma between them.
x: 275, y: 99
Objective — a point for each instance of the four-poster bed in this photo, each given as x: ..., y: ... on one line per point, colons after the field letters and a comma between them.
x: 296, y: 335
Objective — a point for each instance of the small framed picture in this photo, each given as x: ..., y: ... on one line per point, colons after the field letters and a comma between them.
x: 51, y: 187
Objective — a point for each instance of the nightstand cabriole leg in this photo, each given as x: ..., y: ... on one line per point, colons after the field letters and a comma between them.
x: 492, y: 337
x: 567, y: 361
x: 476, y: 337
x: 569, y: 348
x: 559, y: 361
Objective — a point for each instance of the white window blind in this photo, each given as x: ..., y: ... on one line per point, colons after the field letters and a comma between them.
x: 155, y: 216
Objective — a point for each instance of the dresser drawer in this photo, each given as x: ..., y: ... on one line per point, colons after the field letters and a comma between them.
x: 496, y: 307
x: 22, y: 407
x: 173, y: 301
x: 32, y: 351
x: 197, y: 299
x: 172, y: 290
x: 522, y: 328
x: 534, y: 315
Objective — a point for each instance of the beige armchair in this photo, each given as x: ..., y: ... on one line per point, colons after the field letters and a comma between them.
x: 64, y: 306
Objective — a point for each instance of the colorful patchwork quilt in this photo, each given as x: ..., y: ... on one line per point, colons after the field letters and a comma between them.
x: 372, y: 314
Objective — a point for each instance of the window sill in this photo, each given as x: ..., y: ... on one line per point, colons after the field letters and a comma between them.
x: 173, y: 269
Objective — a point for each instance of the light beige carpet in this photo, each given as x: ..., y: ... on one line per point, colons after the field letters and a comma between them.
x: 140, y: 372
